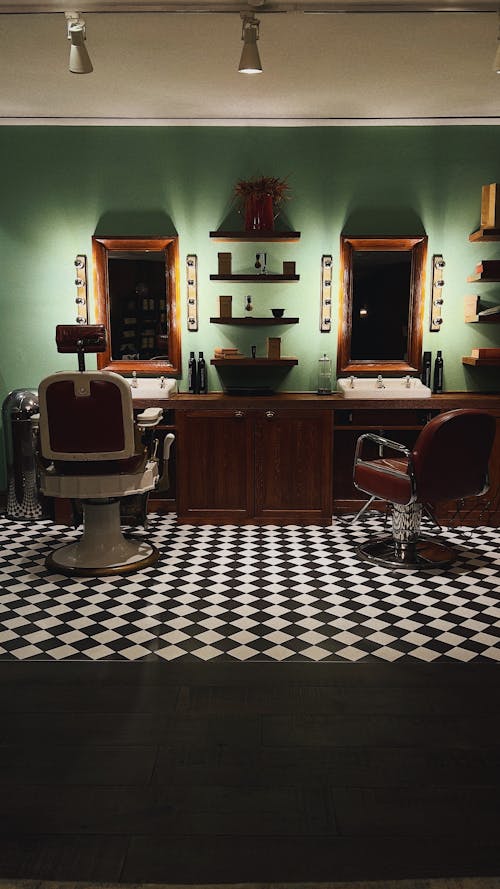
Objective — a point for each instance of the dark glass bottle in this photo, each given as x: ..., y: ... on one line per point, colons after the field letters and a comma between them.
x: 438, y: 374
x: 426, y: 369
x: 192, y: 375
x: 202, y: 375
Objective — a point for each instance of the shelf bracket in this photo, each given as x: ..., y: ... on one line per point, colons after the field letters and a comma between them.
x: 436, y: 319
x: 192, y: 291
x: 81, y: 299
x: 325, y: 324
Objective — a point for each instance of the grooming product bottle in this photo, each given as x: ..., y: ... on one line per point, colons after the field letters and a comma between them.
x: 438, y: 374
x: 192, y: 376
x: 426, y: 369
x: 324, y: 376
x: 202, y: 375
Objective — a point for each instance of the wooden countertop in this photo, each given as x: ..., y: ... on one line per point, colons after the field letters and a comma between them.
x: 300, y: 400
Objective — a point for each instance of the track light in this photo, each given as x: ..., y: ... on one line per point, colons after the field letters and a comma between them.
x: 250, y: 60
x: 79, y: 60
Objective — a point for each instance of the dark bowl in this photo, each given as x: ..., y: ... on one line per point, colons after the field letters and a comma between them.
x: 278, y: 313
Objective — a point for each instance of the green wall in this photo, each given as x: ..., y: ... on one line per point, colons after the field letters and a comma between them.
x: 63, y: 184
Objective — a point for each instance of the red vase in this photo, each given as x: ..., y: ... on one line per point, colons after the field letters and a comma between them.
x: 259, y: 213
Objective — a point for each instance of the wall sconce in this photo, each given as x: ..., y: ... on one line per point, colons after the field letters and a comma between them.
x: 79, y: 59
x: 438, y: 265
x: 81, y: 289
x: 250, y: 60
x: 192, y: 291
x: 325, y: 321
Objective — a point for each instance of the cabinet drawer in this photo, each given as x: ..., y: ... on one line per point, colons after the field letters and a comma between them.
x: 382, y: 419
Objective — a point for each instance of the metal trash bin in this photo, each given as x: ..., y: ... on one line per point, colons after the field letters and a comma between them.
x: 19, y: 414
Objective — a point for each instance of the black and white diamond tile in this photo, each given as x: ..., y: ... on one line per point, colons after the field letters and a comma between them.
x: 250, y: 593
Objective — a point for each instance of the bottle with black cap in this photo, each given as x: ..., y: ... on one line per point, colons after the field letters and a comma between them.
x: 426, y: 369
x: 438, y: 374
x: 192, y: 375
x: 202, y: 375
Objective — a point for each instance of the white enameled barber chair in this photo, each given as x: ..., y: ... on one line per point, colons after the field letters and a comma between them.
x: 92, y: 450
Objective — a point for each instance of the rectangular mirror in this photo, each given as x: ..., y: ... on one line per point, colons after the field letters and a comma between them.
x: 381, y: 304
x: 136, y: 293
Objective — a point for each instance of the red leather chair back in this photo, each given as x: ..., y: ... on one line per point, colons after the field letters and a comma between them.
x: 86, y: 417
x: 451, y: 455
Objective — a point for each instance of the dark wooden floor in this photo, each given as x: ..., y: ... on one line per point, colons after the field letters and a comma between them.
x: 220, y: 772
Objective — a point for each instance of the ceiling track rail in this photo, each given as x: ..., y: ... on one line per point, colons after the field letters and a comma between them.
x: 332, y: 8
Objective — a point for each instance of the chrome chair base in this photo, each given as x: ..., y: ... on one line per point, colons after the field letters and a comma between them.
x: 423, y: 553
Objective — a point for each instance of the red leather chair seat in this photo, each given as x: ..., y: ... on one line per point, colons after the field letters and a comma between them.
x: 376, y: 477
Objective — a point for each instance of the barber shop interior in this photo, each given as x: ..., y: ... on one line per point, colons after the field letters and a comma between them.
x: 250, y: 444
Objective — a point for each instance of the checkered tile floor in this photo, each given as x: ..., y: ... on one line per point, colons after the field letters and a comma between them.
x: 270, y: 593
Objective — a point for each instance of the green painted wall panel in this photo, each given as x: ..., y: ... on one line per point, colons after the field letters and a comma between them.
x: 63, y: 184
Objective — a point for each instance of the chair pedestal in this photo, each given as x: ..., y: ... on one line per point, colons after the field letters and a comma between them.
x: 102, y: 549
x: 406, y: 547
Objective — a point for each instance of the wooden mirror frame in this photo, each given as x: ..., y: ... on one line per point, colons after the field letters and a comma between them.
x: 418, y: 248
x: 101, y: 248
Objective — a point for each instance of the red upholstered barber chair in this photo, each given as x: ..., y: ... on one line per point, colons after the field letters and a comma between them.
x: 449, y: 461
x: 92, y: 450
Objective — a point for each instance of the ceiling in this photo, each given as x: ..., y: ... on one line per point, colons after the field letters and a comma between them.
x: 357, y: 61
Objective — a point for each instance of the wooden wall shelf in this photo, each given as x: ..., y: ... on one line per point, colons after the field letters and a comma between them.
x: 482, y: 279
x: 481, y: 362
x: 255, y: 236
x: 254, y: 362
x: 493, y: 318
x: 485, y: 234
x: 254, y: 322
x: 256, y: 279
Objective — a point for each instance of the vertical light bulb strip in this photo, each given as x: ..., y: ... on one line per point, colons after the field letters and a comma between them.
x: 82, y: 316
x: 325, y: 324
x: 192, y: 291
x: 438, y: 265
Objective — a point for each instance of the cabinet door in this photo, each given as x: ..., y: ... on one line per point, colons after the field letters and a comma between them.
x: 214, y: 460
x: 293, y: 459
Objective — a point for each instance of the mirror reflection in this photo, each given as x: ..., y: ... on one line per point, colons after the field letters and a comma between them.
x: 138, y: 306
x: 137, y: 299
x: 381, y: 304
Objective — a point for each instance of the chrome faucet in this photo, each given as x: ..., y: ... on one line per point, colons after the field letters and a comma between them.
x: 162, y: 382
x: 351, y: 382
x: 134, y: 380
x: 380, y: 383
x: 408, y: 381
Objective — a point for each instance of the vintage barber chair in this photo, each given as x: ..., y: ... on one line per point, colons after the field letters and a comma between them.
x: 449, y: 461
x: 92, y: 450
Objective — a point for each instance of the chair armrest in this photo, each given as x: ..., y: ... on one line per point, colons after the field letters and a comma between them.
x: 382, y: 442
x: 149, y: 417
x: 389, y: 470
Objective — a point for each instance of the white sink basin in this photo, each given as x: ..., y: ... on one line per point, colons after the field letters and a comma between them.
x: 151, y: 387
x: 397, y: 387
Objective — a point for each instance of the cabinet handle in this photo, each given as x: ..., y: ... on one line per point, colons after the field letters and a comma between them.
x: 269, y: 415
x: 239, y: 414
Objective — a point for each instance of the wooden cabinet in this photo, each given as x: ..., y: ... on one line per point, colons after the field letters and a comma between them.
x: 215, y: 465
x: 262, y: 466
x: 293, y: 465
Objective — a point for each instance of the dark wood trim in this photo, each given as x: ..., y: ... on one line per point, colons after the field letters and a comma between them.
x: 256, y: 279
x: 418, y: 247
x: 255, y: 236
x: 101, y: 247
x: 254, y: 322
x: 253, y: 362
